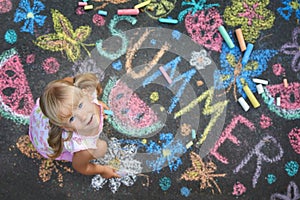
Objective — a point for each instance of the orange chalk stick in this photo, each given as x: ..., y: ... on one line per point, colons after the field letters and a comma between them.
x: 240, y: 37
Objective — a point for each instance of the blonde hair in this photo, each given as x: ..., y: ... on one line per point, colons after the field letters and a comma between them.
x: 57, y: 103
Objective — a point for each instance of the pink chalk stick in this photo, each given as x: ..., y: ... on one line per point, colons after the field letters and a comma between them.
x: 164, y: 73
x: 82, y: 4
x: 128, y: 11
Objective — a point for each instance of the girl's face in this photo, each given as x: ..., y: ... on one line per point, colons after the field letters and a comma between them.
x: 85, y: 117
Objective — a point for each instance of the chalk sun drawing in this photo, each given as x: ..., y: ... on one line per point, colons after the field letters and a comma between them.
x: 132, y: 116
x: 290, y: 6
x: 202, y: 172
x: 30, y: 15
x: 166, y: 151
x: 289, y: 107
x: 252, y: 16
x: 292, y: 48
x: 122, y: 159
x: 65, y: 39
x: 16, y: 100
x: 235, y: 74
x: 47, y: 167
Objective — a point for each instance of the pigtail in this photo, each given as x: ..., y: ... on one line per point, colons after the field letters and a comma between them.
x: 55, y: 140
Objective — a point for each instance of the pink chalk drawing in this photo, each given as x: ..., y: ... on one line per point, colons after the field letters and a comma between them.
x: 51, y: 65
x: 294, y: 137
x: 5, y: 6
x: 265, y: 122
x: 98, y: 20
x: 30, y: 59
x: 227, y: 134
x: 132, y: 116
x: 203, y: 28
x: 16, y: 101
x: 238, y: 189
x: 278, y: 69
x: 289, y: 107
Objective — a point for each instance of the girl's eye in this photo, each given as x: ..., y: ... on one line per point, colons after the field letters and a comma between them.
x: 80, y: 105
x: 71, y: 119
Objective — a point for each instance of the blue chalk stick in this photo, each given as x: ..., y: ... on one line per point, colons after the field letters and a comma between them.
x: 108, y: 112
x: 247, y: 53
x: 102, y: 12
x: 168, y: 20
x: 193, y: 134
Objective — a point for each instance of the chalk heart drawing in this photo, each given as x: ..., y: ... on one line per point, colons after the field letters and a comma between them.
x: 136, y: 119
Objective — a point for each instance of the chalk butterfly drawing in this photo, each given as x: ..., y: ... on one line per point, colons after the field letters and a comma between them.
x: 203, y: 172
x: 65, y: 38
x: 234, y: 74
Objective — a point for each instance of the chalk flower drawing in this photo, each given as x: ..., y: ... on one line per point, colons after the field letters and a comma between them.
x: 199, y: 59
x: 251, y: 15
x: 159, y: 8
x: 234, y: 74
x: 292, y: 48
x: 47, y: 166
x: 169, y: 151
x: 29, y: 15
x: 65, y: 38
x: 122, y: 159
x: 290, y: 5
x: 292, y: 193
x: 185, y: 129
x: 203, y: 172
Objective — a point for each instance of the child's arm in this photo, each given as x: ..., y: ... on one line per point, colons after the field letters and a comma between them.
x: 81, y: 163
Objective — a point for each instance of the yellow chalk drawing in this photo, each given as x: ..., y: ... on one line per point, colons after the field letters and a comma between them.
x: 47, y: 166
x: 105, y: 3
x: 216, y: 109
x: 154, y: 97
x: 159, y: 8
x: 130, y: 55
x: 203, y: 172
x: 65, y: 38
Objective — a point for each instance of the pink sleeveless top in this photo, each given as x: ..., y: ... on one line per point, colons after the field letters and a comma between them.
x: 38, y: 134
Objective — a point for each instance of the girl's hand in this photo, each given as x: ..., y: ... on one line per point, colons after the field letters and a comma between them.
x: 109, y: 172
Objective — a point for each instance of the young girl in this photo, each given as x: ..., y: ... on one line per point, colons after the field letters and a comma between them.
x: 66, y: 122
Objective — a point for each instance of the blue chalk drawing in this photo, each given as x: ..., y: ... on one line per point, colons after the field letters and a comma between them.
x: 165, y: 183
x: 117, y: 65
x: 271, y: 178
x: 185, y: 191
x: 291, y: 168
x: 290, y: 6
x: 176, y: 34
x: 29, y: 15
x: 11, y: 36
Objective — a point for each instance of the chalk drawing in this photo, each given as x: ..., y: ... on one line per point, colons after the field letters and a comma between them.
x: 289, y: 100
x: 239, y: 189
x: 5, y: 6
x: 265, y: 122
x: 291, y: 168
x: 184, y: 77
x: 209, y: 109
x: 294, y: 137
x: 98, y: 20
x: 159, y: 8
x: 203, y: 172
x: 11, y: 36
x: 106, y: 2
x: 130, y: 55
x: 278, y: 70
x: 154, y: 97
x: 199, y: 59
x: 166, y: 151
x: 118, y: 33
x: 30, y: 58
x: 122, y: 159
x: 252, y: 16
x: 234, y: 74
x: 184, y: 191
x: 292, y: 48
x: 292, y: 193
x: 257, y: 150
x: 271, y: 178
x: 117, y: 65
x: 30, y: 15
x: 165, y: 183
x: 65, y: 39
x: 185, y: 129
x: 202, y: 27
x: 47, y: 167
x: 287, y: 11
x: 227, y: 134
x: 88, y: 65
x: 16, y: 100
x: 50, y: 65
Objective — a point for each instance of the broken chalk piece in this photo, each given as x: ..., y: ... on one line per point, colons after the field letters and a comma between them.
x: 193, y: 134
x: 128, y: 12
x: 108, y: 112
x: 259, y: 89
x: 247, y: 54
x: 88, y: 7
x: 102, y: 12
x: 226, y: 36
x: 189, y: 144
x: 260, y: 81
x: 143, y: 4
x: 244, y: 104
x: 251, y: 96
x: 82, y: 4
x: 241, y: 40
x: 168, y: 21
x: 164, y: 73
x: 278, y: 101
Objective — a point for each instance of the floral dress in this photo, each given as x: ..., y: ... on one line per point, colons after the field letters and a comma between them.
x: 38, y: 134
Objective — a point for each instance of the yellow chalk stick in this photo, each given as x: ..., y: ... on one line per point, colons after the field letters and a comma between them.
x: 251, y: 96
x: 88, y: 7
x: 143, y: 4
